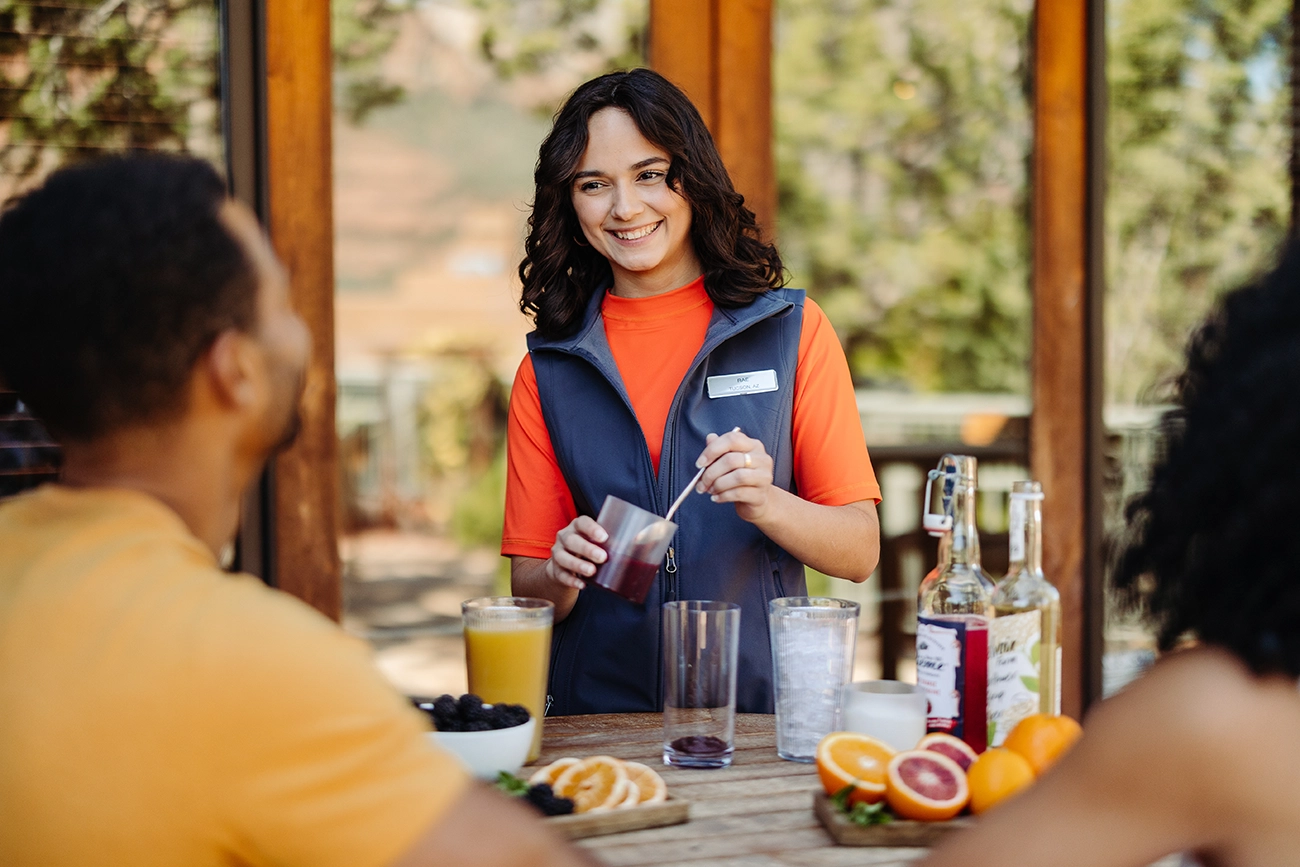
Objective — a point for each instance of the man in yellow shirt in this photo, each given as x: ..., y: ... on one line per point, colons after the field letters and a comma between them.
x: 153, y: 709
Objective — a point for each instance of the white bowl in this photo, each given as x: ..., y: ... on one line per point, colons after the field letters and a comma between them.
x: 485, y: 754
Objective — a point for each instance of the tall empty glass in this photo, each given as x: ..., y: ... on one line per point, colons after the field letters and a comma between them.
x: 813, y: 641
x: 701, y: 642
x: 508, y: 653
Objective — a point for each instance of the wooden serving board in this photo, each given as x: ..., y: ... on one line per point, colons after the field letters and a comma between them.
x: 673, y: 811
x: 900, y: 832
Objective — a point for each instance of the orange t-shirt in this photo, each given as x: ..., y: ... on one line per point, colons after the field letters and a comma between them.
x: 157, y: 711
x: 653, y: 341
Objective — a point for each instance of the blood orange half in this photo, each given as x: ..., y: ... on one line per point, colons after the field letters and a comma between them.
x: 925, y: 785
x: 952, y: 747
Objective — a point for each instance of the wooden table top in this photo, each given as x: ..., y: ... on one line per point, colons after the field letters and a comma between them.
x: 756, y: 813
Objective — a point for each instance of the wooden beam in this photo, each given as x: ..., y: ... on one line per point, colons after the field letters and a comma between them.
x: 682, y: 49
x: 299, y: 195
x: 720, y: 53
x: 1060, y: 439
x: 743, y: 83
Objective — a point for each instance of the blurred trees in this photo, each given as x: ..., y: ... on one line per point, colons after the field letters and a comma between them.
x: 79, y: 76
x: 903, y: 135
x: 1198, y: 197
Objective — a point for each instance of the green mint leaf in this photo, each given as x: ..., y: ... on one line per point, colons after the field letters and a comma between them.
x: 841, y: 798
x: 510, y: 784
x: 870, y: 814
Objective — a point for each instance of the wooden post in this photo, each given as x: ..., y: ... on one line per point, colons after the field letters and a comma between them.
x: 682, y: 49
x: 299, y: 196
x: 1065, y: 375
x: 720, y: 53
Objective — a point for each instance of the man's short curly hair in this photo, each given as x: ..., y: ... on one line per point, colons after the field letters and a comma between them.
x: 1212, y: 552
x: 115, y: 275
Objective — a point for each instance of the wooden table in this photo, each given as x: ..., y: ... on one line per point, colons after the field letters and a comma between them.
x: 756, y: 813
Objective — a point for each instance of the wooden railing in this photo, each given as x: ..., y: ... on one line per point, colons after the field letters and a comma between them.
x: 28, y: 456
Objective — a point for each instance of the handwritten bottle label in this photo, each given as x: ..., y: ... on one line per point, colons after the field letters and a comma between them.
x: 951, y: 668
x: 1015, y: 645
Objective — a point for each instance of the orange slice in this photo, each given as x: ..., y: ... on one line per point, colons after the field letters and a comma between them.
x: 551, y: 772
x: 633, y: 796
x: 647, y: 780
x: 594, y: 785
x: 926, y: 785
x: 953, y: 747
x: 857, y: 760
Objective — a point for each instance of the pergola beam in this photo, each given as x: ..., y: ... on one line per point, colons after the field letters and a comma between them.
x: 720, y: 53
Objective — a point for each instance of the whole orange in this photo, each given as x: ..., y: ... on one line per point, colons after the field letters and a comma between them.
x: 995, y: 776
x: 1042, y: 739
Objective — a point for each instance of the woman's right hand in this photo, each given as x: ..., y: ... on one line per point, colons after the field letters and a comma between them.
x: 576, y: 554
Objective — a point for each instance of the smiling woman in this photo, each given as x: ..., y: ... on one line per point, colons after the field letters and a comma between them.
x: 650, y: 285
x: 630, y: 214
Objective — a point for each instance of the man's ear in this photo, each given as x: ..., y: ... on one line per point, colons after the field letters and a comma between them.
x: 230, y: 367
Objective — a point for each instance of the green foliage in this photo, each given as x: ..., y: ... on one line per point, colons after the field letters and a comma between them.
x: 818, y: 584
x: 542, y: 38
x: 361, y: 33
x: 903, y: 134
x: 1198, y: 199
x: 510, y: 784
x: 903, y: 131
x: 478, y: 515
x: 861, y: 814
x: 83, y: 76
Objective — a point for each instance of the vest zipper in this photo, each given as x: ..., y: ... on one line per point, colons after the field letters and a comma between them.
x: 670, y: 571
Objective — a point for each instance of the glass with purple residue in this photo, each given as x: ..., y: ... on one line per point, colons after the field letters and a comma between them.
x: 701, y: 644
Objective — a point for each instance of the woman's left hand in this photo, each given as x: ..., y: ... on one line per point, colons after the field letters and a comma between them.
x: 739, y: 471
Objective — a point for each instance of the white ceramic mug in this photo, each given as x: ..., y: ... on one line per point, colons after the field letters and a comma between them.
x: 888, y: 710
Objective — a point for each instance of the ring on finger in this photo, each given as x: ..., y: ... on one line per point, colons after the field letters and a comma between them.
x: 749, y: 462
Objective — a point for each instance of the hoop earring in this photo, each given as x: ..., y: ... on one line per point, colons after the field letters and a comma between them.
x: 580, y: 241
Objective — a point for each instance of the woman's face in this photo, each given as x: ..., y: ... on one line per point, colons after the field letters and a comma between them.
x: 627, y: 210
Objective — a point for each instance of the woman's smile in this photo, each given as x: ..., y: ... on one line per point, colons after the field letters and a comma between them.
x: 633, y: 235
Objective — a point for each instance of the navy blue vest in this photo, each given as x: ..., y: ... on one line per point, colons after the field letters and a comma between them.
x: 606, y: 655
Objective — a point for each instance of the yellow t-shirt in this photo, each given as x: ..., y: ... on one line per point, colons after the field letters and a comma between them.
x: 154, y: 710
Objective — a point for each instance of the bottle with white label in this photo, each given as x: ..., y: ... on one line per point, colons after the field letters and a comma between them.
x: 954, y: 610
x: 1025, y: 638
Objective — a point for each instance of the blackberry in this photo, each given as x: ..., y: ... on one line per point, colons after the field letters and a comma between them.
x: 445, y: 705
x: 469, y: 706
x: 544, y: 799
x: 477, y: 725
x: 506, y: 716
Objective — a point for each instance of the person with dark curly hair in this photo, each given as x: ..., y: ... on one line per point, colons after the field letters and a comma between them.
x: 1199, y: 755
x: 664, y: 343
x: 156, y: 709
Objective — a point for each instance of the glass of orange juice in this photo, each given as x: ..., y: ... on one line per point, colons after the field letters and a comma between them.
x: 508, y: 653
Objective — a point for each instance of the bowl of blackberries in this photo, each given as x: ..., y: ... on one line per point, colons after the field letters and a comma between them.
x: 488, y: 738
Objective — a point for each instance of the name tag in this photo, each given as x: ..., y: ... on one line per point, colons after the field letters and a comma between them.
x: 735, y: 384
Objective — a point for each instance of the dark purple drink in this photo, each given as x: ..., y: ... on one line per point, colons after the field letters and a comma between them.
x: 701, y: 745
x: 626, y: 575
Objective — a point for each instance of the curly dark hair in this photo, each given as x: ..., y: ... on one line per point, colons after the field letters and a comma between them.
x: 1210, y: 552
x: 115, y: 275
x: 560, y: 275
